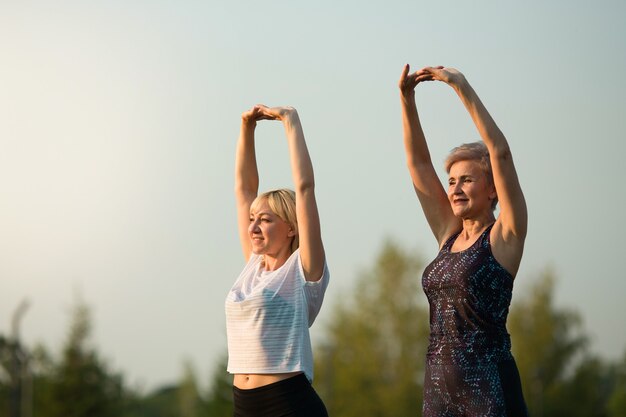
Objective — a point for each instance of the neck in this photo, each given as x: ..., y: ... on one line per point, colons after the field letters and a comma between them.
x: 473, y: 227
x: 275, y: 261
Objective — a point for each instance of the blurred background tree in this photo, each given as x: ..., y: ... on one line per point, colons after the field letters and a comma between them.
x: 617, y: 401
x: 370, y: 361
x: 545, y: 342
x: 220, y: 397
x: 81, y: 384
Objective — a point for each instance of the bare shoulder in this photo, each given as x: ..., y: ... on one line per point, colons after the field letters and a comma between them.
x: 507, y: 248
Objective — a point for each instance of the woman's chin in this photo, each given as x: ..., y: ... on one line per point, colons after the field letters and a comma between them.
x: 459, y: 213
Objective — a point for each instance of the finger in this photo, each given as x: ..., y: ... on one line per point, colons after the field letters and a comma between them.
x: 431, y: 73
x: 421, y: 72
x: 405, y: 71
x: 425, y: 77
x: 403, y: 77
x: 437, y: 69
x: 432, y: 69
x: 261, y: 108
x: 268, y: 113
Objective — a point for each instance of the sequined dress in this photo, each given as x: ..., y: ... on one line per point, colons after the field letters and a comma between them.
x: 469, y: 367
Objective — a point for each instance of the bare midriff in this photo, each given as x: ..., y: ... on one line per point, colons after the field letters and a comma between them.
x: 250, y: 381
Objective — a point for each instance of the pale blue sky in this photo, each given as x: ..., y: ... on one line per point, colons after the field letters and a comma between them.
x: 118, y: 123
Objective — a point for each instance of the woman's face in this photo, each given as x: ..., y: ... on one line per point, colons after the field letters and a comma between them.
x: 269, y: 234
x: 469, y: 190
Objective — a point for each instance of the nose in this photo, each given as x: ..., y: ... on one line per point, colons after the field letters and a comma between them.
x: 457, y: 188
x: 254, y: 226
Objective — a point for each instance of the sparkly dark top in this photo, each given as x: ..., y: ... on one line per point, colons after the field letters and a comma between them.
x: 469, y: 294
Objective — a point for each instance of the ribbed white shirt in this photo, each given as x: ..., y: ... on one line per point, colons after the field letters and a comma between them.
x: 268, y: 315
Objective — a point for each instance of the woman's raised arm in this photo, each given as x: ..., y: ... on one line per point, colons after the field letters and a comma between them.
x: 309, y: 230
x: 246, y: 175
x: 512, y: 223
x: 431, y: 194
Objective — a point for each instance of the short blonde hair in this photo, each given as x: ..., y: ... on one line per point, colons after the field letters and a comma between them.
x: 477, y: 152
x: 282, y: 202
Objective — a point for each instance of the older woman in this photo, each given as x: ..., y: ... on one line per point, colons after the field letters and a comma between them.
x: 469, y: 367
x: 279, y: 292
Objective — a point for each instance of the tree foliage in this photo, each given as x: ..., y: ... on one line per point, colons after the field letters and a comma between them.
x: 82, y: 384
x: 220, y: 397
x: 559, y: 377
x: 189, y: 401
x: 616, y: 405
x: 372, y: 362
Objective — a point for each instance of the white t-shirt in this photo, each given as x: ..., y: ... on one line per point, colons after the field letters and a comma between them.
x: 268, y: 315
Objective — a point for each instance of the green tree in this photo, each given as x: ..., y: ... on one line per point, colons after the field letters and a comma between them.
x: 81, y: 384
x: 219, y: 402
x: 546, y: 341
x: 7, y: 378
x: 162, y: 402
x: 43, y: 369
x: 16, y: 378
x: 616, y: 404
x: 585, y: 393
x: 189, y: 400
x: 372, y: 362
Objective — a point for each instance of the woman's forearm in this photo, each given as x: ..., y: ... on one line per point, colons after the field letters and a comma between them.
x: 246, y: 172
x: 414, y: 140
x: 486, y: 125
x: 301, y: 165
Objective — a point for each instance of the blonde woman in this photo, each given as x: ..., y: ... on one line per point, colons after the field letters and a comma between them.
x: 279, y: 293
x: 469, y: 367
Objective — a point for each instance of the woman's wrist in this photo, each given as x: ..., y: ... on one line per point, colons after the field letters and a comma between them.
x: 248, y: 123
x: 290, y: 116
x: 459, y: 83
x: 407, y: 97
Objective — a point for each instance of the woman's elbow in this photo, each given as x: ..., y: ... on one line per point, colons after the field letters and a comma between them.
x: 305, y: 186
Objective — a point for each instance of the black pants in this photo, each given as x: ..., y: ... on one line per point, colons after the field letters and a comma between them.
x: 293, y: 397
